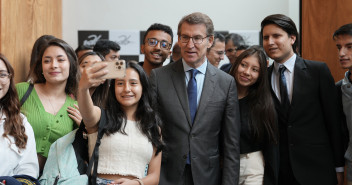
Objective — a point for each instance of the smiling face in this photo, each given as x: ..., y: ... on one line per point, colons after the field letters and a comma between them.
x: 247, y: 72
x: 4, y: 79
x: 56, y: 65
x: 156, y: 55
x: 277, y: 43
x: 194, y: 54
x: 216, y: 53
x: 128, y: 90
x: 344, y: 47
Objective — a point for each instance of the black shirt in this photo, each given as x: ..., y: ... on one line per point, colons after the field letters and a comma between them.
x: 248, y: 142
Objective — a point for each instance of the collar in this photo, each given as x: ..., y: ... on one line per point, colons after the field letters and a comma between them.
x: 289, y: 64
x: 347, y: 80
x: 202, y: 69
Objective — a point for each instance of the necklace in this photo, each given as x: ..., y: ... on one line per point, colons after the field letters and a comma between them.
x: 54, y: 111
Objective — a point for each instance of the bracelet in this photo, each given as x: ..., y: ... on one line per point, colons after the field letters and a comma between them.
x: 140, y: 181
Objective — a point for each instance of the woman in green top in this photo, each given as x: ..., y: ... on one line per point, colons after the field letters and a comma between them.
x: 50, y: 108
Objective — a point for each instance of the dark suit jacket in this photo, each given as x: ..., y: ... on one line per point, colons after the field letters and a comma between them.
x: 217, y: 121
x: 310, y: 136
x: 226, y: 67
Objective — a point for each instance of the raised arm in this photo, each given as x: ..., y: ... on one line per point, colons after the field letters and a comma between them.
x: 91, y: 76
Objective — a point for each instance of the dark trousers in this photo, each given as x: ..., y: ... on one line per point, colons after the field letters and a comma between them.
x: 286, y: 176
x: 187, y: 175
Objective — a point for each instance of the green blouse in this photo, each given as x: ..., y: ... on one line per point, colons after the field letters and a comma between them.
x: 46, y: 126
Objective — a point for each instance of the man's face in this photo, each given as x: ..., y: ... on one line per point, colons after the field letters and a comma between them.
x: 216, y: 53
x: 344, y: 47
x: 277, y: 43
x: 112, y: 56
x: 156, y: 55
x: 230, y: 49
x: 194, y: 54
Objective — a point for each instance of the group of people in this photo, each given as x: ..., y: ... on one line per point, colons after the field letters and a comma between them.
x: 187, y: 122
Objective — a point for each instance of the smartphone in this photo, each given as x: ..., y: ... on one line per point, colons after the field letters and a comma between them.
x: 116, y: 69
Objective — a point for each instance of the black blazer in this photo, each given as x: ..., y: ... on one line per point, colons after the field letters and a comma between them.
x: 310, y: 136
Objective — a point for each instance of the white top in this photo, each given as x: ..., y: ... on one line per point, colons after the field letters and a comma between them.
x: 289, y: 74
x: 122, y: 154
x: 15, y: 161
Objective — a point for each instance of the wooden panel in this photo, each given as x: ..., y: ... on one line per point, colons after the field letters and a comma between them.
x: 320, y: 18
x: 22, y: 22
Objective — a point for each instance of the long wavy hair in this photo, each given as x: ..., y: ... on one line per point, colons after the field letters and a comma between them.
x: 262, y: 110
x: 12, y: 109
x: 147, y: 118
x: 72, y: 82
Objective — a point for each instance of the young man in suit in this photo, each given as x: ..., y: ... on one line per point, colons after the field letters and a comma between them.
x: 343, y: 40
x: 199, y: 107
x: 304, y: 94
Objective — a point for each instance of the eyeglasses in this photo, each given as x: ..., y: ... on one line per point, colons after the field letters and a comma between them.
x: 198, y: 39
x: 4, y: 77
x: 163, y: 44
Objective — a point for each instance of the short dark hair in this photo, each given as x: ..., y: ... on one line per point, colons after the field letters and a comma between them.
x: 159, y: 27
x: 236, y: 39
x: 218, y: 37
x: 343, y: 30
x: 103, y: 46
x: 197, y: 18
x: 285, y: 23
x: 82, y: 48
x: 73, y: 78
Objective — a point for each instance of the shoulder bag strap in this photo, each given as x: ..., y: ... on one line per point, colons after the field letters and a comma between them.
x: 26, y: 95
x: 95, y: 156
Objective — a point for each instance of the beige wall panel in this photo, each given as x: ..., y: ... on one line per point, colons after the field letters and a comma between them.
x: 22, y: 22
x: 320, y: 18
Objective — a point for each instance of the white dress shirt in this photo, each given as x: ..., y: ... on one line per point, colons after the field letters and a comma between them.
x: 289, y: 74
x: 199, y: 77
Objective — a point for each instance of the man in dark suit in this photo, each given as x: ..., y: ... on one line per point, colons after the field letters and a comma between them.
x: 311, y: 150
x: 199, y: 107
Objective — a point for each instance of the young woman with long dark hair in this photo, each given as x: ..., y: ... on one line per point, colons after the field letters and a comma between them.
x: 258, y: 118
x: 132, y: 138
x: 50, y: 108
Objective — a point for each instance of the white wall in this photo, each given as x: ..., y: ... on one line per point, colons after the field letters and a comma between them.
x: 140, y: 14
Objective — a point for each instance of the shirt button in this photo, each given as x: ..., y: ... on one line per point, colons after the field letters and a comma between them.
x: 44, y: 137
x: 42, y: 148
x: 57, y: 121
x: 61, y: 115
x: 48, y: 128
